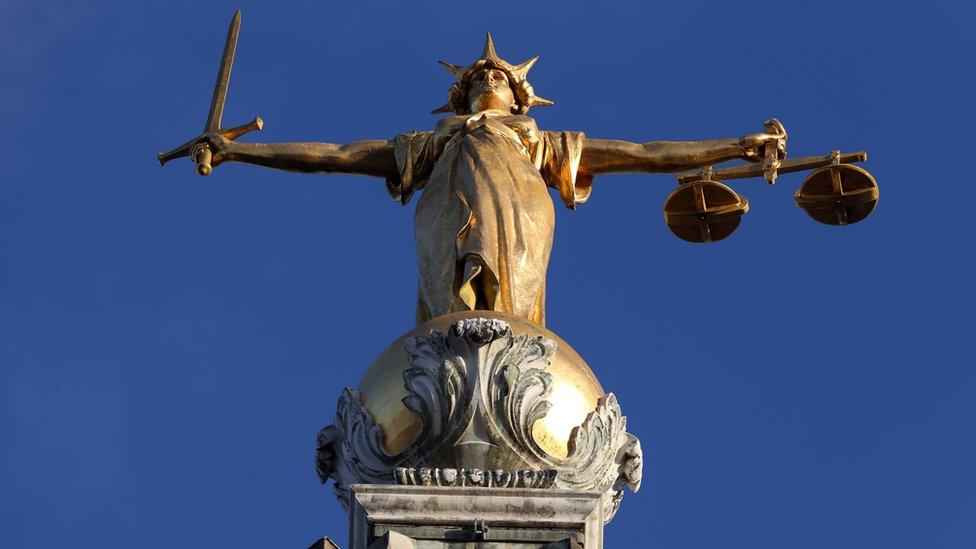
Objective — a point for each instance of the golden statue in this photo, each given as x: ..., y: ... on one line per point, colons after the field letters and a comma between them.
x: 478, y: 399
x: 484, y: 220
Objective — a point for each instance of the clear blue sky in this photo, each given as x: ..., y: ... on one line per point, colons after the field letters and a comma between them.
x: 170, y: 345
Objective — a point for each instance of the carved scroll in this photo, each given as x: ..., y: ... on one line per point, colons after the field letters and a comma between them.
x: 479, y: 384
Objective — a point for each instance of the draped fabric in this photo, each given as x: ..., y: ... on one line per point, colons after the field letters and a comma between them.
x: 484, y: 222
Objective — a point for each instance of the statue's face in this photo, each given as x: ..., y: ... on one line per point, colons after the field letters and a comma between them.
x: 489, y: 89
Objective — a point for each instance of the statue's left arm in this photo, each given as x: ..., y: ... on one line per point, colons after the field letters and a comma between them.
x: 613, y: 156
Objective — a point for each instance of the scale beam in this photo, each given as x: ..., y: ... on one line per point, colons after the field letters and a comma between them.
x: 785, y: 166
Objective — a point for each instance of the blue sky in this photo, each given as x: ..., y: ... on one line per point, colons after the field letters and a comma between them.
x: 170, y: 345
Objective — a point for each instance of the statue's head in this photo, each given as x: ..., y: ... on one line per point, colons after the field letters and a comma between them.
x: 491, y: 83
x: 489, y: 88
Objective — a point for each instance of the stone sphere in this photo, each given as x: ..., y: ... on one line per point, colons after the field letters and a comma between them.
x: 575, y: 390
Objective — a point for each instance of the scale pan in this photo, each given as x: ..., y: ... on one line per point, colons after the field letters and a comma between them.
x: 838, y: 195
x: 704, y: 211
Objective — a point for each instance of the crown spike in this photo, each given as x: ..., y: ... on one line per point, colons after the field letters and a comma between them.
x: 520, y: 71
x: 537, y: 101
x: 489, y: 51
x: 455, y: 70
x: 447, y: 107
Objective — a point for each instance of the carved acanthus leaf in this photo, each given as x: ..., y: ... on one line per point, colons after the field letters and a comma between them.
x: 360, y: 442
x: 438, y: 390
x: 594, y: 459
x: 518, y: 392
x: 593, y: 446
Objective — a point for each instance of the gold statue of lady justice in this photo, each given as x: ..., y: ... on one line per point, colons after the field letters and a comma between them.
x: 484, y: 221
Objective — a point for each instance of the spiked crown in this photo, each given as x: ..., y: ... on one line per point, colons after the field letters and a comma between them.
x: 525, y: 97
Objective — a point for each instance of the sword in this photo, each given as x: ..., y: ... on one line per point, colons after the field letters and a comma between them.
x: 200, y: 152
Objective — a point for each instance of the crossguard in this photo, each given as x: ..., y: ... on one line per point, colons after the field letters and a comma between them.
x: 201, y: 153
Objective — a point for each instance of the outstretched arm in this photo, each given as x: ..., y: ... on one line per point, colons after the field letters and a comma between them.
x: 374, y: 158
x: 610, y: 156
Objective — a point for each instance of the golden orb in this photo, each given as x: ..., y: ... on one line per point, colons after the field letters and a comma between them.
x: 575, y: 390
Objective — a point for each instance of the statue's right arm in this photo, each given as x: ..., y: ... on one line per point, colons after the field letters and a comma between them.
x: 374, y: 157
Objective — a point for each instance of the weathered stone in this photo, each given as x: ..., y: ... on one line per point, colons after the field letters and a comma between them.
x: 429, y: 517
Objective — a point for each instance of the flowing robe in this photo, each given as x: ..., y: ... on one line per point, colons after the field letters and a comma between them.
x: 484, y: 223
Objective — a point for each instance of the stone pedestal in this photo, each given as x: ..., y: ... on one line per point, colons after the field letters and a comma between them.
x: 436, y: 517
x: 479, y: 430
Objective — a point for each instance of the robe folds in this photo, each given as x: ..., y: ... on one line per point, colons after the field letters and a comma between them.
x: 484, y: 222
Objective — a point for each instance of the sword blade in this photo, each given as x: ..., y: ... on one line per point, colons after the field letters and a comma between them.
x: 223, y: 76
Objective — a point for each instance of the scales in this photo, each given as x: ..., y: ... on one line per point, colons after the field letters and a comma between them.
x: 702, y: 209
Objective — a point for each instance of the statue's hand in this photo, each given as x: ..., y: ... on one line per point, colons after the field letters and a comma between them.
x: 754, y: 146
x: 211, y: 148
x: 218, y: 145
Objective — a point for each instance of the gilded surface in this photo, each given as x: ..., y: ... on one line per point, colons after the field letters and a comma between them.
x: 484, y: 222
x: 484, y: 178
x: 495, y: 399
x: 575, y: 390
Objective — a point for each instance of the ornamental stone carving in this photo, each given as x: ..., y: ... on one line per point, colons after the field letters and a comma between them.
x: 478, y: 389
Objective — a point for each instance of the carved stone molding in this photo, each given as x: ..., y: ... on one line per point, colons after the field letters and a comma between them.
x: 478, y: 390
x: 425, y: 476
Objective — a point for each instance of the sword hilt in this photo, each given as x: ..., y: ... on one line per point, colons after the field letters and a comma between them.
x: 195, y: 148
x: 203, y: 156
x: 198, y: 149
